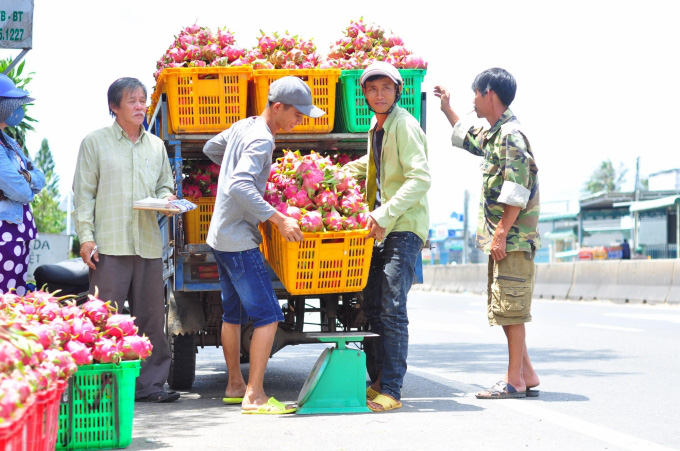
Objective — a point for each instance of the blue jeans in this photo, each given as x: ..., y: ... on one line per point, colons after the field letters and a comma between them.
x: 384, y: 305
x: 247, y: 291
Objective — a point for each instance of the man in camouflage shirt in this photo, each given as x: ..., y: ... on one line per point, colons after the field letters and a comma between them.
x: 508, y: 218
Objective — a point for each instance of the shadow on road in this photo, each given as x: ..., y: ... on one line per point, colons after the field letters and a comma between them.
x: 493, y: 359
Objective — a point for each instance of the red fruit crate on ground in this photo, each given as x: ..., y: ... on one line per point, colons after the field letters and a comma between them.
x: 322, y: 83
x: 14, y: 433
x: 43, y: 419
x: 326, y: 262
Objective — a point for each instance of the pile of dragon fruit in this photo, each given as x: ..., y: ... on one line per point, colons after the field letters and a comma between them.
x: 200, y: 179
x: 274, y: 51
x: 197, y: 46
x: 321, y: 195
x: 364, y: 44
x: 43, y: 339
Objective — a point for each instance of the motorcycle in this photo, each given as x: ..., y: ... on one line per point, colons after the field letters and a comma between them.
x: 70, y: 277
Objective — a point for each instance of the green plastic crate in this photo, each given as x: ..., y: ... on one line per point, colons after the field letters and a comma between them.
x: 98, y: 406
x: 356, y: 116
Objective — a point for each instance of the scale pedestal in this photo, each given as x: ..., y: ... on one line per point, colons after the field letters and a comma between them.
x: 337, y: 383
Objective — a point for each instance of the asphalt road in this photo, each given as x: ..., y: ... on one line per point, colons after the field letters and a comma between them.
x: 607, y: 383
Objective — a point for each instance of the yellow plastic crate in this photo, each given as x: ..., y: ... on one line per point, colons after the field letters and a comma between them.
x: 205, y: 99
x: 322, y: 83
x: 327, y: 262
x: 197, y: 221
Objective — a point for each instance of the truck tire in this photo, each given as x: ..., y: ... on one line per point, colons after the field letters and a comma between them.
x: 183, y: 362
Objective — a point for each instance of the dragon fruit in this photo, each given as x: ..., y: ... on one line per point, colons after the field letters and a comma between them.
x: 311, y: 180
x: 120, y: 325
x: 350, y: 223
x: 290, y: 211
x: 290, y: 191
x: 335, y: 178
x: 135, y: 347
x: 362, y: 219
x: 332, y: 221
x: 107, y: 350
x: 97, y: 310
x: 300, y: 200
x: 80, y: 352
x: 312, y: 221
x: 83, y: 330
x: 350, y: 204
x: 326, y: 199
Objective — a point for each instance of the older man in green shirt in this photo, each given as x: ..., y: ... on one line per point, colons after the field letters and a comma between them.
x: 508, y: 218
x: 116, y: 166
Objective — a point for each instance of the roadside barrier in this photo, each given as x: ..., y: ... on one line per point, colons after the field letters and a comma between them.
x: 650, y: 281
x: 646, y: 281
x: 674, y: 292
x: 553, y: 280
x: 590, y: 277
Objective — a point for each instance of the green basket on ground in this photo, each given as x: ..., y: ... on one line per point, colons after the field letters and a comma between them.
x: 98, y: 406
x: 356, y: 116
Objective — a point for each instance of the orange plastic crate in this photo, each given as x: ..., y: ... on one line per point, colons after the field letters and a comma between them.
x: 197, y: 221
x: 327, y: 262
x: 204, y: 99
x: 322, y: 83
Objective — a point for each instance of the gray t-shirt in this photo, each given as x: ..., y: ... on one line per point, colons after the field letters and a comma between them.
x: 244, y: 152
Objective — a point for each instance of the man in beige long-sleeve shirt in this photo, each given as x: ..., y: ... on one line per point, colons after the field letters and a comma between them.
x: 116, y: 166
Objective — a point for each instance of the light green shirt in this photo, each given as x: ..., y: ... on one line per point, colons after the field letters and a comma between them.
x: 112, y: 173
x: 404, y: 175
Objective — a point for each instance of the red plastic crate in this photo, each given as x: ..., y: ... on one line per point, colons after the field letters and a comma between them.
x: 14, y: 433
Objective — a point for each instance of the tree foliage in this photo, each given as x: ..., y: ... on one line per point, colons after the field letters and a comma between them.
x: 49, y: 218
x: 606, y: 178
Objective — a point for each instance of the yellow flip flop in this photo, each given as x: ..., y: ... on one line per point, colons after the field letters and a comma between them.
x: 232, y: 400
x: 272, y: 407
x: 384, y: 403
x: 371, y: 394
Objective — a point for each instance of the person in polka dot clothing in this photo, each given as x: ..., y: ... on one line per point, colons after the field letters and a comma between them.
x: 19, y: 182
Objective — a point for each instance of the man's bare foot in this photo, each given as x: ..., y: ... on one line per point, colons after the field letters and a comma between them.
x: 253, y: 403
x: 235, y: 391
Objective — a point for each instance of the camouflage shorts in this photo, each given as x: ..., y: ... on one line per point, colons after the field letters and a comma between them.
x: 510, y: 287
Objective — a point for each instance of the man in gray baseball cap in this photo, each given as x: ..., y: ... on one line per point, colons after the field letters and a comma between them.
x: 294, y: 92
x: 244, y: 152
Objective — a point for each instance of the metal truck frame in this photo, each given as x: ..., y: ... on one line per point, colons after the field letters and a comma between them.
x: 193, y: 315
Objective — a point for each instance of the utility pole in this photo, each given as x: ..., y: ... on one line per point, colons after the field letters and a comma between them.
x: 466, y: 233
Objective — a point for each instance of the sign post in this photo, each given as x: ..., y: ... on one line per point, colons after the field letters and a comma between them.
x: 16, y: 27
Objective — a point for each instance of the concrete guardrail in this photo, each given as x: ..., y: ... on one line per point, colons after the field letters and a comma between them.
x: 650, y: 281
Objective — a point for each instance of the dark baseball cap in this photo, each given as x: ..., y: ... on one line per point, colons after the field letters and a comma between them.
x: 293, y: 91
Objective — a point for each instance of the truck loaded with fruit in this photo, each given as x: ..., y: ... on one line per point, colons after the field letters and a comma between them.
x: 204, y: 83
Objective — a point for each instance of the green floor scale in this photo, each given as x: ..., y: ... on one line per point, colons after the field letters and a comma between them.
x: 337, y: 383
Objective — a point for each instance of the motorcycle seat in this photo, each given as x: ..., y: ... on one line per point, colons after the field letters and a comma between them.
x: 73, y: 272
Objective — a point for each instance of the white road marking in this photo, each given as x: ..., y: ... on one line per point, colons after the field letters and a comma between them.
x: 602, y: 326
x: 650, y: 316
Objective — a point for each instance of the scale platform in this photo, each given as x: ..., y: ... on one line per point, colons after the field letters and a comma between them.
x: 337, y: 382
